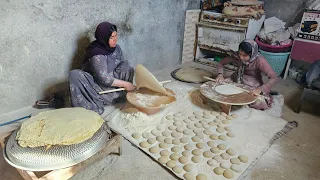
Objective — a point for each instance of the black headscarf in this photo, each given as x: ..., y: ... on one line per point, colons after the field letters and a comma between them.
x: 101, y: 45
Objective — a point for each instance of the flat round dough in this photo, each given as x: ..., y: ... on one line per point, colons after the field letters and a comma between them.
x: 201, y: 177
x: 220, y: 130
x: 188, y: 176
x: 176, y: 149
x: 166, y: 133
x: 218, y: 170
x: 187, y: 121
x: 196, y: 138
x: 155, y: 132
x: 177, y: 169
x: 160, y: 138
x: 227, y: 90
x: 175, y: 134
x: 228, y: 174
x: 196, y: 152
x: 154, y: 150
x: 236, y: 168
x: 200, y: 145
x: 136, y: 135
x: 187, y: 132
x: 211, y: 143
x: 164, y: 153
x: 177, y: 123
x: 220, y: 125
x: 227, y: 128
x: 217, y: 121
x: 151, y: 141
x: 144, y: 144
x: 188, y: 167
x: 188, y: 147
x: 171, y: 163
x: 163, y: 145
x: 225, y: 165
x: 146, y: 135
x: 212, y: 123
x: 192, y: 118
x: 231, y: 152
x: 225, y: 156
x: 190, y: 126
x: 206, y: 126
x: 243, y: 158
x: 235, y: 160
x: 217, y: 158
x: 187, y: 153
x: 197, y: 131
x: 169, y: 117
x: 215, y: 150
x: 184, y: 140
x: 196, y: 159
x: 207, y: 132
x: 223, y: 137
x: 183, y: 160
x: 179, y: 129
x: 207, y: 154
x: 176, y: 141
x: 198, y: 125
x: 200, y: 135
x: 174, y: 156
x: 222, y: 146
x: 207, y: 116
x: 172, y: 127
x: 214, y: 137
x: 163, y: 159
x: 168, y: 140
x: 212, y: 162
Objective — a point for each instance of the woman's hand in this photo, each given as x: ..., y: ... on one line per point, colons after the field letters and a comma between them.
x: 123, y: 84
x: 129, y: 86
x: 220, y: 78
x: 256, y: 92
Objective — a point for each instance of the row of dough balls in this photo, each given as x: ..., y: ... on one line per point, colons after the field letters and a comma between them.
x: 202, y: 115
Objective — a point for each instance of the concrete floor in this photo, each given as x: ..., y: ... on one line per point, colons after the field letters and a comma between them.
x: 294, y: 156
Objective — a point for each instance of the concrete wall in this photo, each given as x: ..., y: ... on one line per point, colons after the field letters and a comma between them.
x: 41, y: 40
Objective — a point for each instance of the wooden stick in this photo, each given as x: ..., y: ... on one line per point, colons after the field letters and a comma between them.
x: 235, y: 87
x: 123, y: 89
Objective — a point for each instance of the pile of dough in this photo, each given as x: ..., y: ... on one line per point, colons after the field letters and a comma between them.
x: 192, y: 74
x: 64, y: 126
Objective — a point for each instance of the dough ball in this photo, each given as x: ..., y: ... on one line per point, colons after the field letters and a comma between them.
x: 212, y: 162
x: 160, y: 138
x: 171, y: 163
x: 198, y: 117
x: 168, y: 140
x: 198, y: 113
x: 188, y: 167
x: 196, y: 159
x: 176, y: 141
x: 188, y: 147
x: 155, y: 132
x: 164, y: 153
x: 190, y: 126
x: 225, y: 165
x: 197, y: 131
x: 207, y: 113
x: 215, y: 150
x: 243, y: 158
x: 163, y: 145
x: 166, y: 133
x: 151, y: 140
x: 187, y: 153
x: 177, y: 123
x: 212, y: 123
x: 179, y: 114
x: 236, y: 168
x: 210, y: 143
x: 218, y: 170
x: 201, y: 177
x: 215, y: 113
x: 217, y: 121
x: 144, y: 144
x: 207, y: 132
x: 226, y: 122
x: 187, y: 132
x: 220, y: 130
x: 203, y: 122
x: 179, y: 129
x: 223, y: 137
x: 234, y: 116
x: 227, y: 128
x: 207, y: 154
x: 146, y: 135
x: 177, y: 169
x: 172, y: 128
x: 221, y: 117
x: 161, y: 127
x: 220, y: 125
x: 183, y: 160
x: 207, y: 116
x: 231, y: 152
x: 206, y: 126
x: 224, y: 114
x: 187, y: 121
x: 154, y: 150
x: 195, y: 138
x: 229, y: 117
x: 163, y: 159
x: 196, y: 152
x: 217, y: 158
x: 200, y: 135
x: 175, y: 134
x: 235, y: 160
x: 225, y: 156
x: 214, y: 137
x: 184, y: 140
x: 169, y: 117
x: 200, y: 145
x: 228, y: 174
x: 222, y: 146
x: 175, y: 149
x: 174, y: 156
x: 136, y: 135
x: 188, y: 176
x: 192, y: 118
x: 198, y: 125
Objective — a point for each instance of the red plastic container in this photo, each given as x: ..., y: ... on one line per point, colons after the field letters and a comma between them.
x: 272, y: 48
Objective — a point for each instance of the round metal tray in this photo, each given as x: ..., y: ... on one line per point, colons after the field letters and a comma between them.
x: 173, y: 74
x: 56, y: 157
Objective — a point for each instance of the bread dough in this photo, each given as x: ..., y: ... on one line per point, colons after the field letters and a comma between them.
x: 196, y: 159
x: 172, y: 128
x: 160, y: 138
x: 223, y: 137
x: 207, y: 154
x: 53, y: 127
x: 218, y: 170
x: 200, y: 135
x: 187, y: 132
x: 164, y: 153
x: 184, y: 140
x: 146, y: 135
x: 196, y: 152
x: 215, y: 113
x: 203, y: 122
x: 217, y: 158
x: 187, y: 121
x: 163, y: 145
x: 145, y: 78
x: 183, y: 160
x: 235, y: 160
x: 188, y: 147
x: 207, y: 113
x: 151, y: 141
x: 207, y: 116
x: 197, y: 131
x: 192, y: 74
x: 192, y: 118
x: 228, y: 174
x: 177, y: 123
x: 175, y: 149
x: 220, y: 125
x: 155, y: 132
x: 227, y: 128
x: 231, y: 152
x: 215, y: 150
x: 195, y: 138
x: 200, y: 145
x: 210, y: 143
x: 198, y: 117
x: 214, y: 137
x: 222, y: 146
x: 174, y: 156
x: 161, y: 127
x: 206, y: 126
x: 171, y: 163
x: 212, y: 162
x: 207, y: 132
x: 154, y: 150
x: 198, y: 113
x: 198, y: 125
x: 217, y: 121
x: 190, y: 126
x: 163, y: 159
x: 188, y: 176
x: 243, y: 158
x: 166, y: 133
x: 177, y: 169
x: 225, y: 122
x: 179, y: 118
x: 179, y: 129
x: 220, y: 130
x: 176, y: 141
x: 188, y: 167
x: 212, y: 123
x: 144, y: 144
x: 187, y: 153
x: 225, y: 156
x: 136, y: 135
x: 227, y: 90
x: 229, y: 117
x: 220, y: 117
x: 236, y: 168
x: 168, y: 140
x: 169, y: 117
x: 225, y: 165
x: 201, y: 177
